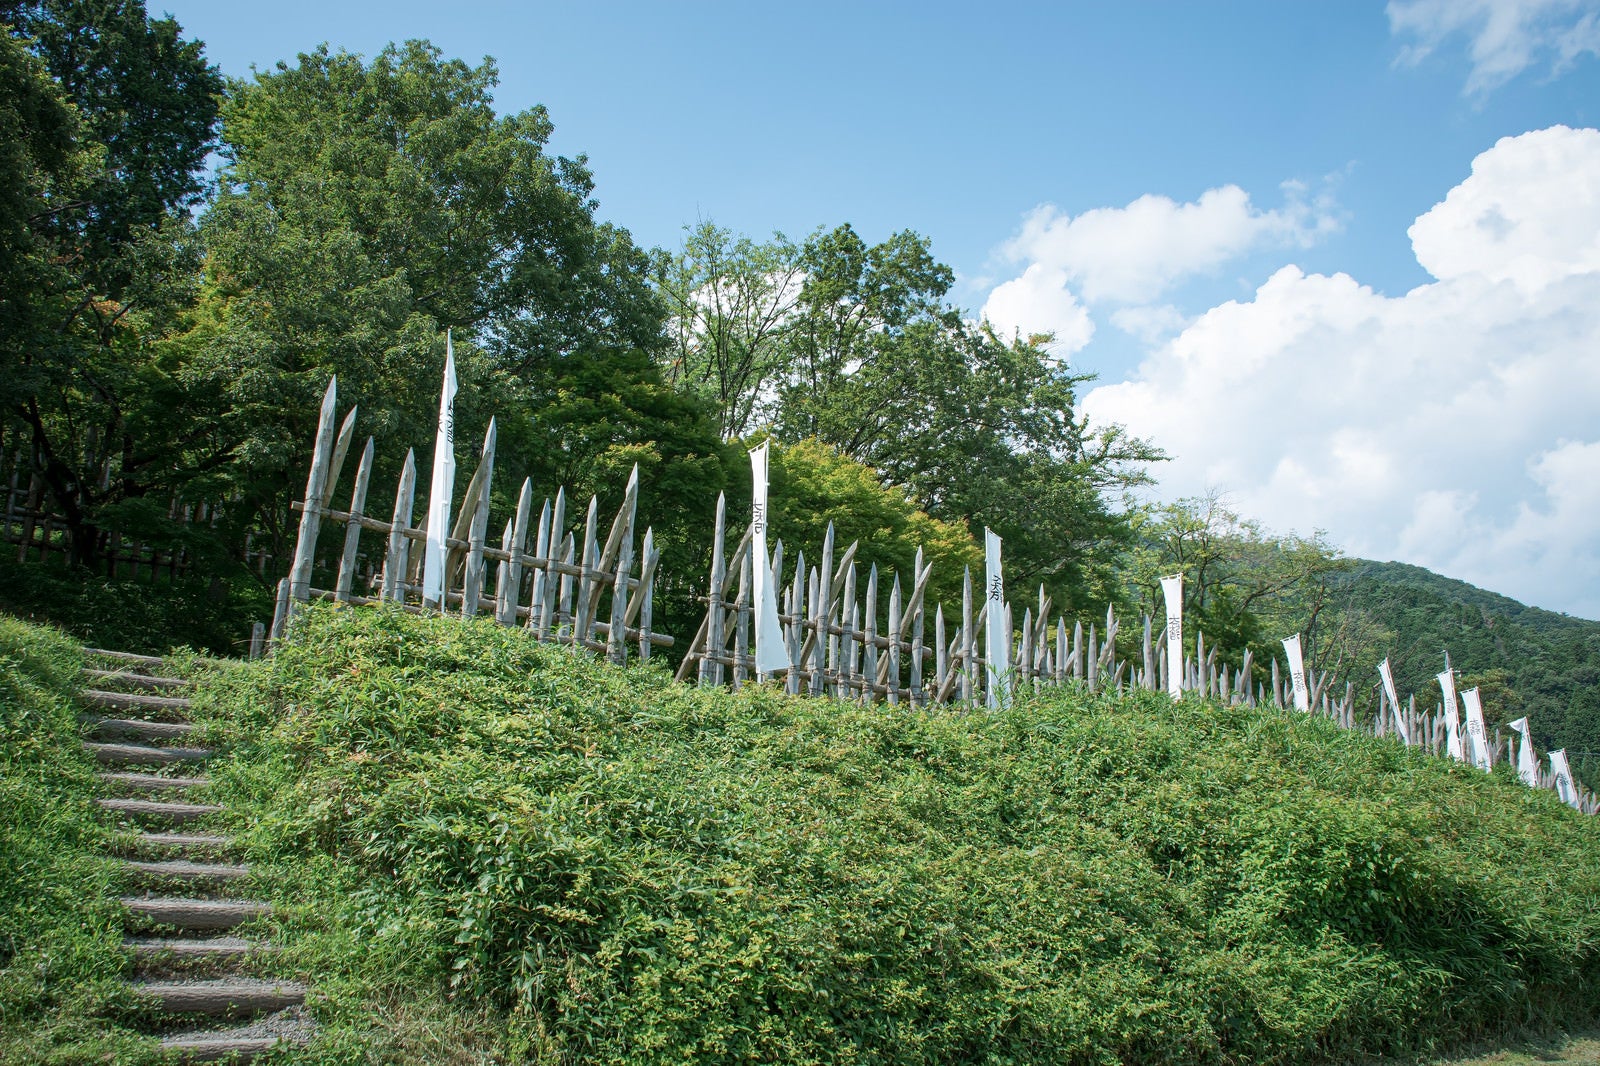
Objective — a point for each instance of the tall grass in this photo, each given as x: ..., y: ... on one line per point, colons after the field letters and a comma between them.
x: 505, y: 852
x: 60, y: 929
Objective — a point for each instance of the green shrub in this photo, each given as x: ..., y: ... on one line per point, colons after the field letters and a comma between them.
x: 579, y: 863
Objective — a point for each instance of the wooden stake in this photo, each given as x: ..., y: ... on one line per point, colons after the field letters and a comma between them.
x: 311, y: 517
x: 394, y: 563
x: 352, y: 527
x: 507, y: 596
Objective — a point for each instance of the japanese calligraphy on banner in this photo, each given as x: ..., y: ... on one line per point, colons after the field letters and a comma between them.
x: 443, y: 485
x: 999, y: 634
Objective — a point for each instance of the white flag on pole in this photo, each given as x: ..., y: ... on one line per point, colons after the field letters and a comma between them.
x: 1297, y: 672
x: 443, y: 485
x: 1172, y: 593
x: 1394, y: 700
x: 1452, y: 719
x: 1475, y: 729
x: 1527, y: 764
x: 772, y: 651
x: 994, y: 618
x: 1565, y: 788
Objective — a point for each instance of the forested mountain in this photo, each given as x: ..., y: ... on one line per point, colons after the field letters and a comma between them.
x: 1526, y: 660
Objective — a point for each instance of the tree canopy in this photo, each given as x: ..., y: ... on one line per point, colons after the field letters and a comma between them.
x: 106, y: 156
x: 856, y: 346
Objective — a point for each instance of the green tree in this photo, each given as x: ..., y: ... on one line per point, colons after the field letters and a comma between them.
x: 856, y: 346
x: 985, y: 432
x: 734, y: 306
x: 813, y: 484
x: 855, y: 302
x: 102, y: 256
x: 365, y: 207
x: 1246, y: 588
x: 40, y: 165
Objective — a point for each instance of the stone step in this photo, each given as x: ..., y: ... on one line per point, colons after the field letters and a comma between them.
x: 153, y: 782
x: 230, y: 997
x: 190, y: 844
x: 186, y: 949
x: 216, y: 1047
x: 147, y: 661
x: 154, y: 810
x: 194, y: 914
x: 136, y: 729
x: 133, y: 701
x: 241, y: 1043
x: 194, y: 873
x: 143, y: 754
x: 148, y: 682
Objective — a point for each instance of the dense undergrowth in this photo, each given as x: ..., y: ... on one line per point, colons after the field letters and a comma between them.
x: 152, y: 617
x: 501, y: 851
x: 60, y: 927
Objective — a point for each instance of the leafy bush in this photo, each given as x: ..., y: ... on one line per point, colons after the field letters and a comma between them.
x: 599, y: 865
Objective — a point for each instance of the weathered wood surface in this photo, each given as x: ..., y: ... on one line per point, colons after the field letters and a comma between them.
x: 593, y: 595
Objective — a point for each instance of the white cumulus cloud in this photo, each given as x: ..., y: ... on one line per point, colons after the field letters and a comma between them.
x: 1456, y: 426
x: 1039, y: 302
x: 1506, y: 37
x: 1134, y: 254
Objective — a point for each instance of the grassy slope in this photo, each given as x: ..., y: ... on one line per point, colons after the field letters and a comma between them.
x: 499, y: 851
x: 60, y: 927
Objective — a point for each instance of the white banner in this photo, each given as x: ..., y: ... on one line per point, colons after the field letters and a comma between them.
x: 1475, y: 729
x: 1172, y: 592
x: 1297, y: 672
x: 1394, y: 700
x: 772, y: 651
x: 998, y: 633
x: 1565, y: 787
x: 443, y: 486
x: 1527, y: 764
x: 1452, y: 718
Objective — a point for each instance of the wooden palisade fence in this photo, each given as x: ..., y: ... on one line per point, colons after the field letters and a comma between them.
x: 572, y: 587
x: 576, y: 588
x: 840, y: 647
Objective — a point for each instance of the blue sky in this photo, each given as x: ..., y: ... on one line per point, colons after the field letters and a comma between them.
x: 1211, y: 204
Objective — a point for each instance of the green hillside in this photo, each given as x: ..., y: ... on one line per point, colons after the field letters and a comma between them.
x: 1528, y: 661
x: 490, y: 845
x: 485, y: 850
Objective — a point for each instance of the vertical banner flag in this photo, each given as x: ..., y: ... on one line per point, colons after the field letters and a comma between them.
x: 1172, y: 592
x: 1394, y: 700
x: 1452, y: 720
x: 1475, y: 729
x: 1297, y: 672
x: 1527, y: 765
x: 998, y: 633
x: 444, y: 484
x: 772, y: 651
x: 1564, y: 786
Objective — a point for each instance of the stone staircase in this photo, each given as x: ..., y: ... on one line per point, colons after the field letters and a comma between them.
x: 195, y: 965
